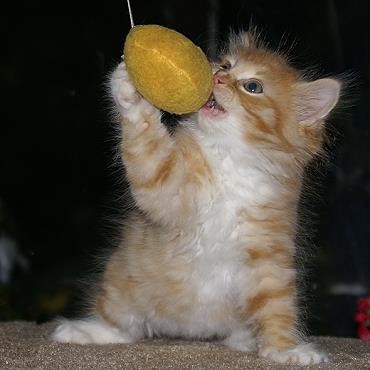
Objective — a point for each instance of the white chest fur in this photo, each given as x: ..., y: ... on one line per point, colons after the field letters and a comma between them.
x: 217, y: 245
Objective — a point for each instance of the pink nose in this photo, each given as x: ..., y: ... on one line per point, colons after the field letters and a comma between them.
x: 217, y: 79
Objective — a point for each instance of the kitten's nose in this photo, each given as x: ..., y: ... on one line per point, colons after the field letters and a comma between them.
x: 218, y: 79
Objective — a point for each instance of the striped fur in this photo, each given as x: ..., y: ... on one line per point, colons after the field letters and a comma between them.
x: 210, y: 251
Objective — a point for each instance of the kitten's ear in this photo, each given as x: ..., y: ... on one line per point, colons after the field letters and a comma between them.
x: 315, y: 100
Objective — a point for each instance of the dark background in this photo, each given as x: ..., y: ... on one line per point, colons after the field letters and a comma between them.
x: 59, y: 182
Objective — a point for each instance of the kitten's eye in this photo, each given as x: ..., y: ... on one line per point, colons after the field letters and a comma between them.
x: 253, y: 86
x: 225, y: 66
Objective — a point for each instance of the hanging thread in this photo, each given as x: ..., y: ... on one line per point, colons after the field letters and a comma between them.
x: 130, y: 13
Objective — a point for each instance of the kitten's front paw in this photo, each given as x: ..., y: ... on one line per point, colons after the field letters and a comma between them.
x: 123, y: 91
x: 303, y: 354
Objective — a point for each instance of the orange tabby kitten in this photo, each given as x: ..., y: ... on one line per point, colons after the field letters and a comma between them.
x: 210, y: 250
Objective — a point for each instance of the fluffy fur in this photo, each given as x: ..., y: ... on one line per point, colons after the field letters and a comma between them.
x: 209, y: 253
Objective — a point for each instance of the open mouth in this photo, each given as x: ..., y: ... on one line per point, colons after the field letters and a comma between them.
x: 213, y: 106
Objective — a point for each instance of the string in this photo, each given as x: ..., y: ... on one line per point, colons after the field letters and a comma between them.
x: 130, y: 13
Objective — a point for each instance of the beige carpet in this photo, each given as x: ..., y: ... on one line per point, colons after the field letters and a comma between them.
x: 25, y: 345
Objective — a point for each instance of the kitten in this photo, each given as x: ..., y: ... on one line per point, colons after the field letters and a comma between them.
x: 210, y: 250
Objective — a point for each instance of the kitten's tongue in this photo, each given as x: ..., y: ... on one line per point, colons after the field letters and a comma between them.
x: 212, y: 106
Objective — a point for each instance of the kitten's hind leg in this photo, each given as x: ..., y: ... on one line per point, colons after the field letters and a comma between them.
x: 89, y: 330
x: 303, y: 354
x: 241, y: 340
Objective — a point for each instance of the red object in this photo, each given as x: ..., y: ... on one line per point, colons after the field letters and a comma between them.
x: 363, y: 303
x: 363, y: 332
x: 362, y: 317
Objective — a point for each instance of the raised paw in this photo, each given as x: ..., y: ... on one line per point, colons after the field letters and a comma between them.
x: 303, y: 354
x: 123, y: 91
x: 88, y: 331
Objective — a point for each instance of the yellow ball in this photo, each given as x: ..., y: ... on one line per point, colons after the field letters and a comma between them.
x: 168, y: 69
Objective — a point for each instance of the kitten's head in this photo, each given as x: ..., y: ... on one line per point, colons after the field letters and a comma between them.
x: 262, y: 102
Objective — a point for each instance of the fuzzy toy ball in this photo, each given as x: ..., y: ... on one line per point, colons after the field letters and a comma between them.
x: 168, y: 69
